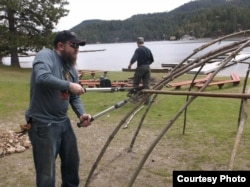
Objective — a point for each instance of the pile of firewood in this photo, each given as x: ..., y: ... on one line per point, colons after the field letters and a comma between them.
x: 11, y: 142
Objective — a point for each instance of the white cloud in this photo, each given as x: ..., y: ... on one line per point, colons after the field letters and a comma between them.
x: 113, y: 10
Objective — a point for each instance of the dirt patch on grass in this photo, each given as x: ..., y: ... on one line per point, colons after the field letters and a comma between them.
x: 117, y: 166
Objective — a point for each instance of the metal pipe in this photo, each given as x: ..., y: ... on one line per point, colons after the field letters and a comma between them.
x: 108, y: 89
x: 115, y: 106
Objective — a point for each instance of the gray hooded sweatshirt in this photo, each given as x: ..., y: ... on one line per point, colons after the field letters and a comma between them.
x: 49, y: 89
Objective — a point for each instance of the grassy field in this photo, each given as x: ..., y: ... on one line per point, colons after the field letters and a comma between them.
x: 210, y: 132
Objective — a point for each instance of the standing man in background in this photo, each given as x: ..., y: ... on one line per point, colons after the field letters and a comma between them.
x: 53, y: 87
x: 144, y: 58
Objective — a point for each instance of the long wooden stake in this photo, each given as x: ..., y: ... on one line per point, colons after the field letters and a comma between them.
x: 239, y: 133
x: 241, y: 122
x: 140, y: 124
x: 202, y: 94
x: 132, y: 116
x: 110, y: 138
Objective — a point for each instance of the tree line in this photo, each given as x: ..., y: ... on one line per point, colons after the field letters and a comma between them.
x: 28, y: 25
x: 200, y: 18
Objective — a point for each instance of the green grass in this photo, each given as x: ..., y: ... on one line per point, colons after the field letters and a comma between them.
x: 14, y: 90
x: 14, y: 96
x: 210, y: 129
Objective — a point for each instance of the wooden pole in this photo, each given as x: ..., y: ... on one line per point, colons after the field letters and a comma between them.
x: 202, y: 94
x: 243, y: 119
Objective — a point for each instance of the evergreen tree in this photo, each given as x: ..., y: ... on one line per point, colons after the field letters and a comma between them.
x: 28, y: 25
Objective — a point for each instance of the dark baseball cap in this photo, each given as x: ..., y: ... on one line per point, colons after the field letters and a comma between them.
x: 66, y: 35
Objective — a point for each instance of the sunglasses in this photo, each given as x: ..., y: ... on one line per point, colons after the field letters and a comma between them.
x: 73, y: 45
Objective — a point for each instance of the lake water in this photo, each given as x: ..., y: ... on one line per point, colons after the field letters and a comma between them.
x: 115, y: 57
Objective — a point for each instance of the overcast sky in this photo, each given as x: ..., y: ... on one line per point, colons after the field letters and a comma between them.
x: 81, y: 10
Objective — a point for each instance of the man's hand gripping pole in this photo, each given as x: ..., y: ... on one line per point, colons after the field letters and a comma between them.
x: 117, y: 105
x: 133, y: 94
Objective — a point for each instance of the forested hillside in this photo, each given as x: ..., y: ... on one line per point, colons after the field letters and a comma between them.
x: 199, y: 18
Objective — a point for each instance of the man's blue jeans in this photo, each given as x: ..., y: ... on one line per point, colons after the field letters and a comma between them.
x: 49, y: 140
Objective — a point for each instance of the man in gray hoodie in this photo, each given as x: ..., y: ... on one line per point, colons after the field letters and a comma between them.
x: 53, y: 88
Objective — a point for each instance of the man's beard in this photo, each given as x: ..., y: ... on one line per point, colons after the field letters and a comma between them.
x: 68, y: 58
